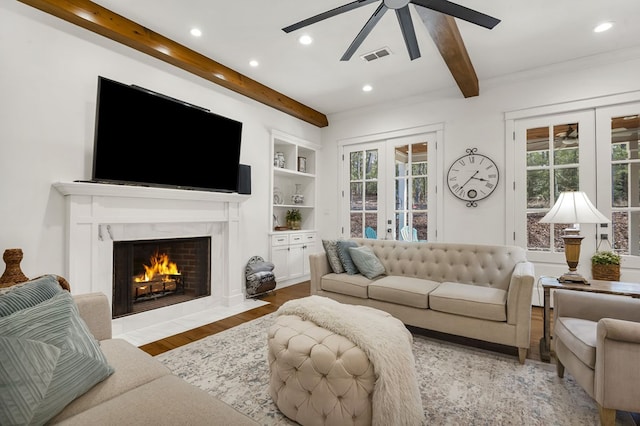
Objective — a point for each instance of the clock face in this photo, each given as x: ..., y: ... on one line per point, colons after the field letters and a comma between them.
x: 472, y: 177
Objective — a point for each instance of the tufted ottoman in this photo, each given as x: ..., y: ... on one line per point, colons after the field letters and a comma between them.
x: 318, y: 377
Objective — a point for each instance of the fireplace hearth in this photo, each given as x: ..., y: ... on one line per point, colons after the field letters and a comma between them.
x: 151, y: 274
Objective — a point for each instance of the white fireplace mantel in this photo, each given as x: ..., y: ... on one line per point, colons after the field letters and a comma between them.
x: 98, y: 214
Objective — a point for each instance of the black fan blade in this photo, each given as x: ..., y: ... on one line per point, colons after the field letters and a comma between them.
x: 408, y: 32
x: 364, y: 32
x: 322, y: 16
x: 458, y: 11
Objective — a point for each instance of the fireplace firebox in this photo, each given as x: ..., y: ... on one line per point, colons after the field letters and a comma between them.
x: 150, y: 274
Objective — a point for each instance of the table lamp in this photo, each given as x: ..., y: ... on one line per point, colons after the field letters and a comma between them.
x: 573, y: 207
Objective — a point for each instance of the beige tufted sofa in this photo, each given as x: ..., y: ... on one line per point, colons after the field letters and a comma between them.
x: 476, y: 291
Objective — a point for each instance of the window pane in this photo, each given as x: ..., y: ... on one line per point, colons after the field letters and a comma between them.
x: 419, y: 193
x: 356, y: 165
x: 538, y: 195
x: 402, y: 160
x: 565, y: 156
x: 634, y: 187
x: 372, y: 164
x: 356, y: 225
x: 620, y: 223
x: 620, y: 151
x: 371, y: 197
x: 356, y: 196
x: 538, y: 234
x: 420, y: 223
x: 401, y: 194
x: 566, y: 180
x: 620, y: 184
x: 538, y: 146
x: 371, y: 220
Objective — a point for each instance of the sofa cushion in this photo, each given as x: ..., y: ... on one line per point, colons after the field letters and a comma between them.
x: 133, y: 368
x: 366, y: 262
x: 331, y: 248
x: 168, y: 400
x: 28, y: 294
x: 48, y: 358
x: 579, y: 336
x: 345, y: 257
x: 470, y: 300
x: 403, y: 290
x: 352, y: 285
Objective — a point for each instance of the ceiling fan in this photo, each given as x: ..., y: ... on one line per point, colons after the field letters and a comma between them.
x: 401, y: 8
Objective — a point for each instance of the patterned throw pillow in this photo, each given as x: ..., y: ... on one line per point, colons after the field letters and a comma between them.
x: 28, y: 294
x: 366, y: 261
x: 48, y: 358
x: 345, y: 256
x: 331, y: 248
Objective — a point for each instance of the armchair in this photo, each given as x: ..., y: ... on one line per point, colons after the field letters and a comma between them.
x: 597, y: 340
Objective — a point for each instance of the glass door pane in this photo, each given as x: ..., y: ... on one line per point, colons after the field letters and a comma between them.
x: 411, y: 191
x: 363, y: 194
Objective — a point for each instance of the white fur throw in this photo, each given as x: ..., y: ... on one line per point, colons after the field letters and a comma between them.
x: 387, y: 343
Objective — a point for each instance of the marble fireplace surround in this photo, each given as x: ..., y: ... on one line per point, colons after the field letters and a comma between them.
x: 98, y: 214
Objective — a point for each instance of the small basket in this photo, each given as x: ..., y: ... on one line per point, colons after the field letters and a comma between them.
x: 605, y: 272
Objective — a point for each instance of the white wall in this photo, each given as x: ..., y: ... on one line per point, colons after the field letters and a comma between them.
x: 48, y: 84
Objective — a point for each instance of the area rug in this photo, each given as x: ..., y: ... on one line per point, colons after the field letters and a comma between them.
x: 460, y: 385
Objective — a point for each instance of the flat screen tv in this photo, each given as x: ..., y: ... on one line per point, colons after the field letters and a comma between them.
x: 146, y: 138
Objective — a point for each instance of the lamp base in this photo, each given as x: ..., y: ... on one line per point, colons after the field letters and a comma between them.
x: 573, y: 277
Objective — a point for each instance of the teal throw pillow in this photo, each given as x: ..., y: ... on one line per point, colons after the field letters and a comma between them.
x: 345, y: 256
x: 28, y: 294
x: 367, y: 262
x: 331, y: 248
x: 48, y: 358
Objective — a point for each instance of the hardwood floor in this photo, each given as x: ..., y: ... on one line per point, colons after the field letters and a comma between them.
x: 280, y: 296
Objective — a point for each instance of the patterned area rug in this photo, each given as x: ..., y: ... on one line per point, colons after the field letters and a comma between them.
x: 459, y: 384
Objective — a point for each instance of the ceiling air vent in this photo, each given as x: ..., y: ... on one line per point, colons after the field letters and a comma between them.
x: 376, y: 54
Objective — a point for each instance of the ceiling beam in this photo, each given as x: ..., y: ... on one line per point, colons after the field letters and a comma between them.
x: 100, y: 20
x: 445, y: 34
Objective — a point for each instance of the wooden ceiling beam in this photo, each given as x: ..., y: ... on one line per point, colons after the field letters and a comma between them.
x: 100, y: 20
x: 445, y: 34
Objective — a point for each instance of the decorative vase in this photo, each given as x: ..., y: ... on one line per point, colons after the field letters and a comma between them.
x: 294, y: 224
x: 13, y: 273
x: 297, y: 198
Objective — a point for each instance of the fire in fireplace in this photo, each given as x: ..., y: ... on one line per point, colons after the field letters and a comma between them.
x: 150, y: 274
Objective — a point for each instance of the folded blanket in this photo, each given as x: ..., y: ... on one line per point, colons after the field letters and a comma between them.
x: 387, y: 343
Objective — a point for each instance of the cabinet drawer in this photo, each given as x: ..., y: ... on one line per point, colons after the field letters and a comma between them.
x: 296, y: 239
x: 279, y: 240
x: 309, y: 238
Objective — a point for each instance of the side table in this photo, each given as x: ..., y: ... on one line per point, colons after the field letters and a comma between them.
x: 594, y: 286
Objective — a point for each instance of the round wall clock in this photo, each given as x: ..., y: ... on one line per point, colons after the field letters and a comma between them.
x: 472, y: 177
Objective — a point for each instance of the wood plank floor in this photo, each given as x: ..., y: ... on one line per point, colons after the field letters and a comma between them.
x: 280, y: 296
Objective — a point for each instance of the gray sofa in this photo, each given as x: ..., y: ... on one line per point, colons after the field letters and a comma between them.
x: 476, y: 291
x: 141, y: 391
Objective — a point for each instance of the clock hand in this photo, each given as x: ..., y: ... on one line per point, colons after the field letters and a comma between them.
x: 481, y: 179
x: 469, y: 180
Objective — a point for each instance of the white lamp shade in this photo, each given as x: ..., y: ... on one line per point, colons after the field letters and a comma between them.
x: 574, y: 207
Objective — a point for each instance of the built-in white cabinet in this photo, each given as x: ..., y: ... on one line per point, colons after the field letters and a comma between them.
x: 293, y: 184
x: 290, y: 255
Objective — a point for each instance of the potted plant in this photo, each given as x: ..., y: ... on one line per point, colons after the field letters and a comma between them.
x: 294, y: 217
x: 605, y: 265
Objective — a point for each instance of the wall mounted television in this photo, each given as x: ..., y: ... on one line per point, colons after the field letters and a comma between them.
x: 146, y: 138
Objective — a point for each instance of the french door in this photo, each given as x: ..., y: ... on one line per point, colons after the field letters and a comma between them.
x: 389, y: 188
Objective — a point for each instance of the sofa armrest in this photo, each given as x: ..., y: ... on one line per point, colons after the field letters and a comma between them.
x: 617, y: 374
x: 95, y: 310
x: 318, y: 267
x: 594, y: 306
x: 520, y: 293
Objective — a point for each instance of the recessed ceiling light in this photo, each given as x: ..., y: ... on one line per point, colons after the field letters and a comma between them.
x: 367, y: 88
x: 603, y: 27
x: 305, y: 39
x: 254, y: 63
x: 196, y: 32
